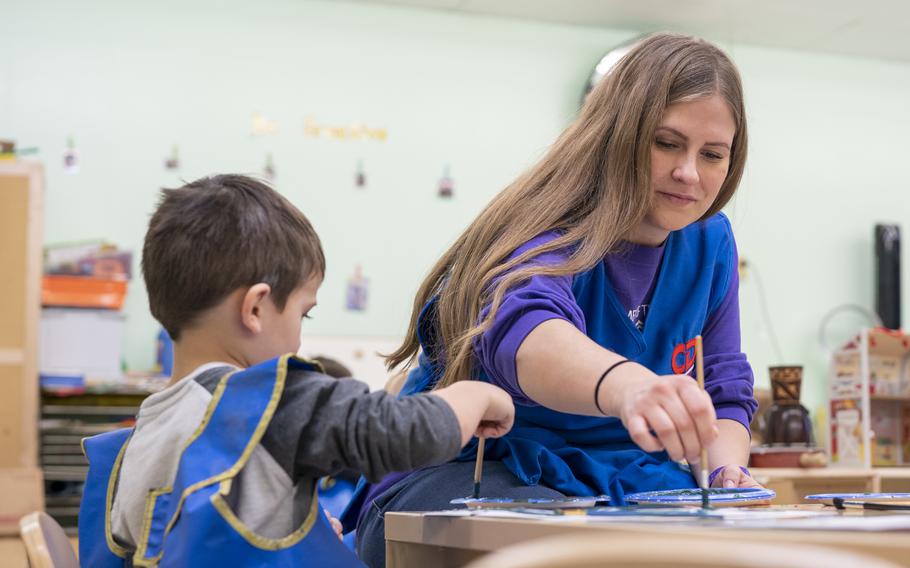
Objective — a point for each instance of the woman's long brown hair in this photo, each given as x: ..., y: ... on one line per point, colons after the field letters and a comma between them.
x: 593, y: 186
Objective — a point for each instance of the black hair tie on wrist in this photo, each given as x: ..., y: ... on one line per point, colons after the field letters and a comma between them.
x: 601, y: 380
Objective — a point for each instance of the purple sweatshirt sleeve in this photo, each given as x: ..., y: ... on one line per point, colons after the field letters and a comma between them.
x: 728, y: 375
x: 523, y: 308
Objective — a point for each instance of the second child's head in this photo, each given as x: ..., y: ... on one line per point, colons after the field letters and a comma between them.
x: 229, y: 262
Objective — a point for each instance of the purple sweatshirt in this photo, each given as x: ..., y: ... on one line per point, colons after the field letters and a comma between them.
x: 633, y: 274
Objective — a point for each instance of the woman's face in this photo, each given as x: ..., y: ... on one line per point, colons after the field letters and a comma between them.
x: 690, y: 156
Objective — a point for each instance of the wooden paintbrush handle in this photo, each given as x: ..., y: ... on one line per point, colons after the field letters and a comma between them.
x: 478, y: 466
x: 700, y: 377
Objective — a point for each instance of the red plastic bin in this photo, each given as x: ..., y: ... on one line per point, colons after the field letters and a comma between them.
x: 82, y: 292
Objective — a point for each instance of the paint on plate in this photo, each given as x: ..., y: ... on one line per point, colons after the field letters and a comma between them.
x: 716, y: 496
x: 539, y: 503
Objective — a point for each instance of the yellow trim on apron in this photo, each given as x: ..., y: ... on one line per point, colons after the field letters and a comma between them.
x: 142, y: 545
x: 265, y: 419
x: 112, y: 545
x: 260, y: 541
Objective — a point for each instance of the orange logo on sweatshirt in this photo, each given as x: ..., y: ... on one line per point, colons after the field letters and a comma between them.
x: 683, y: 357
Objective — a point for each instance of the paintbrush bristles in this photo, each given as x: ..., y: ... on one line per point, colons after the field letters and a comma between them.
x: 700, y: 377
x: 478, y: 465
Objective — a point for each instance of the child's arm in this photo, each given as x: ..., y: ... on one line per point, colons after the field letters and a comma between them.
x: 324, y: 425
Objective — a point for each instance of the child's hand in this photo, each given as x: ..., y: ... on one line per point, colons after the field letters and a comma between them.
x: 336, y: 525
x: 733, y: 477
x: 481, y: 408
x: 500, y: 415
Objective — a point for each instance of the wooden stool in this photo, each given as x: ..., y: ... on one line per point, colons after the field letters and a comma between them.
x: 46, y: 543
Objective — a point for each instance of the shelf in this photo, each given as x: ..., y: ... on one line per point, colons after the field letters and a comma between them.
x: 130, y: 411
x: 65, y: 473
x: 869, y: 406
x: 12, y: 356
x: 65, y: 421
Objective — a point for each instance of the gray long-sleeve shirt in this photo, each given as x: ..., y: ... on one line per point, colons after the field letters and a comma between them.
x: 322, y: 425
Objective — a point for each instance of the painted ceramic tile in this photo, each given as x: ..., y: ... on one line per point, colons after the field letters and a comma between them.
x: 172, y: 162
x: 446, y: 185
x: 357, y: 291
x: 71, y: 158
x: 860, y: 496
x: 508, y: 503
x: 716, y: 496
x: 360, y: 178
x: 269, y: 170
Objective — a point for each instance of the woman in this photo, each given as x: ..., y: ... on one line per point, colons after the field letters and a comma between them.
x: 580, y: 289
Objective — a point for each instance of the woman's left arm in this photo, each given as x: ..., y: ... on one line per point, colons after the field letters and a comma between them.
x: 729, y: 380
x: 731, y: 452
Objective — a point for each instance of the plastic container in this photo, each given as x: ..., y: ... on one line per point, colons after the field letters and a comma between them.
x: 82, y: 292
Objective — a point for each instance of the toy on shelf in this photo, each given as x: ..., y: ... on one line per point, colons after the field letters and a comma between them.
x: 788, y: 421
x: 869, y: 394
x: 787, y: 436
x: 86, y: 275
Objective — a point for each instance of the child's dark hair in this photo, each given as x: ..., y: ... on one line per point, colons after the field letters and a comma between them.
x: 217, y: 234
x: 333, y: 367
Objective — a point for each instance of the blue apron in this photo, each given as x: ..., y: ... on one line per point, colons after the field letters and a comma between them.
x: 335, y: 494
x: 586, y: 455
x: 190, y: 523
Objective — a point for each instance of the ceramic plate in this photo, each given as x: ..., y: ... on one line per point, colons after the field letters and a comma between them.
x: 718, y: 497
x: 507, y: 503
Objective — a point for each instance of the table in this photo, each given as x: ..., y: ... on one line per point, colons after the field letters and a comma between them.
x: 421, y: 539
x: 793, y: 484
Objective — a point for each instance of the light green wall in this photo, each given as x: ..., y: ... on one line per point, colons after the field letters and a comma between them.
x: 485, y: 95
x: 827, y: 155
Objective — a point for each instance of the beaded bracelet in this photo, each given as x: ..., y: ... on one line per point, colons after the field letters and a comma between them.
x: 717, y: 471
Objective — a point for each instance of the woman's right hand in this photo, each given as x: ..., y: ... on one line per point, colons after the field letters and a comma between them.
x: 668, y: 412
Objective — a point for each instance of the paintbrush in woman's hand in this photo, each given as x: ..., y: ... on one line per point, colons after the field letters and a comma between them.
x: 703, y: 462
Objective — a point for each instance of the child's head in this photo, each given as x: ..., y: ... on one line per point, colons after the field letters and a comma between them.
x: 229, y: 257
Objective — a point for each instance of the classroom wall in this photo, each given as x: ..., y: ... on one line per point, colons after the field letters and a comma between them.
x: 484, y: 96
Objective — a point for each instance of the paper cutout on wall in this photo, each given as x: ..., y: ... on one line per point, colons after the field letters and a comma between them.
x: 172, y: 162
x: 360, y: 178
x: 269, y: 170
x: 356, y: 131
x: 446, y: 185
x: 357, y: 292
x: 71, y: 157
x: 262, y: 126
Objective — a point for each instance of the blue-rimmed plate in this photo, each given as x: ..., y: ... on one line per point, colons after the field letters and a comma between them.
x: 868, y: 497
x: 534, y: 503
x: 738, y: 497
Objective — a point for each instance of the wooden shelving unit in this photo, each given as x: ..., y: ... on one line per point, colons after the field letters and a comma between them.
x: 869, y: 400
x: 21, y: 483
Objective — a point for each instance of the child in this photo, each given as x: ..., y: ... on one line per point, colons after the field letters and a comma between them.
x: 221, y: 467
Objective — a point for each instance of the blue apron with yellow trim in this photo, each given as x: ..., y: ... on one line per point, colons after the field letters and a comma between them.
x: 585, y: 455
x: 96, y: 543
x: 191, y: 523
